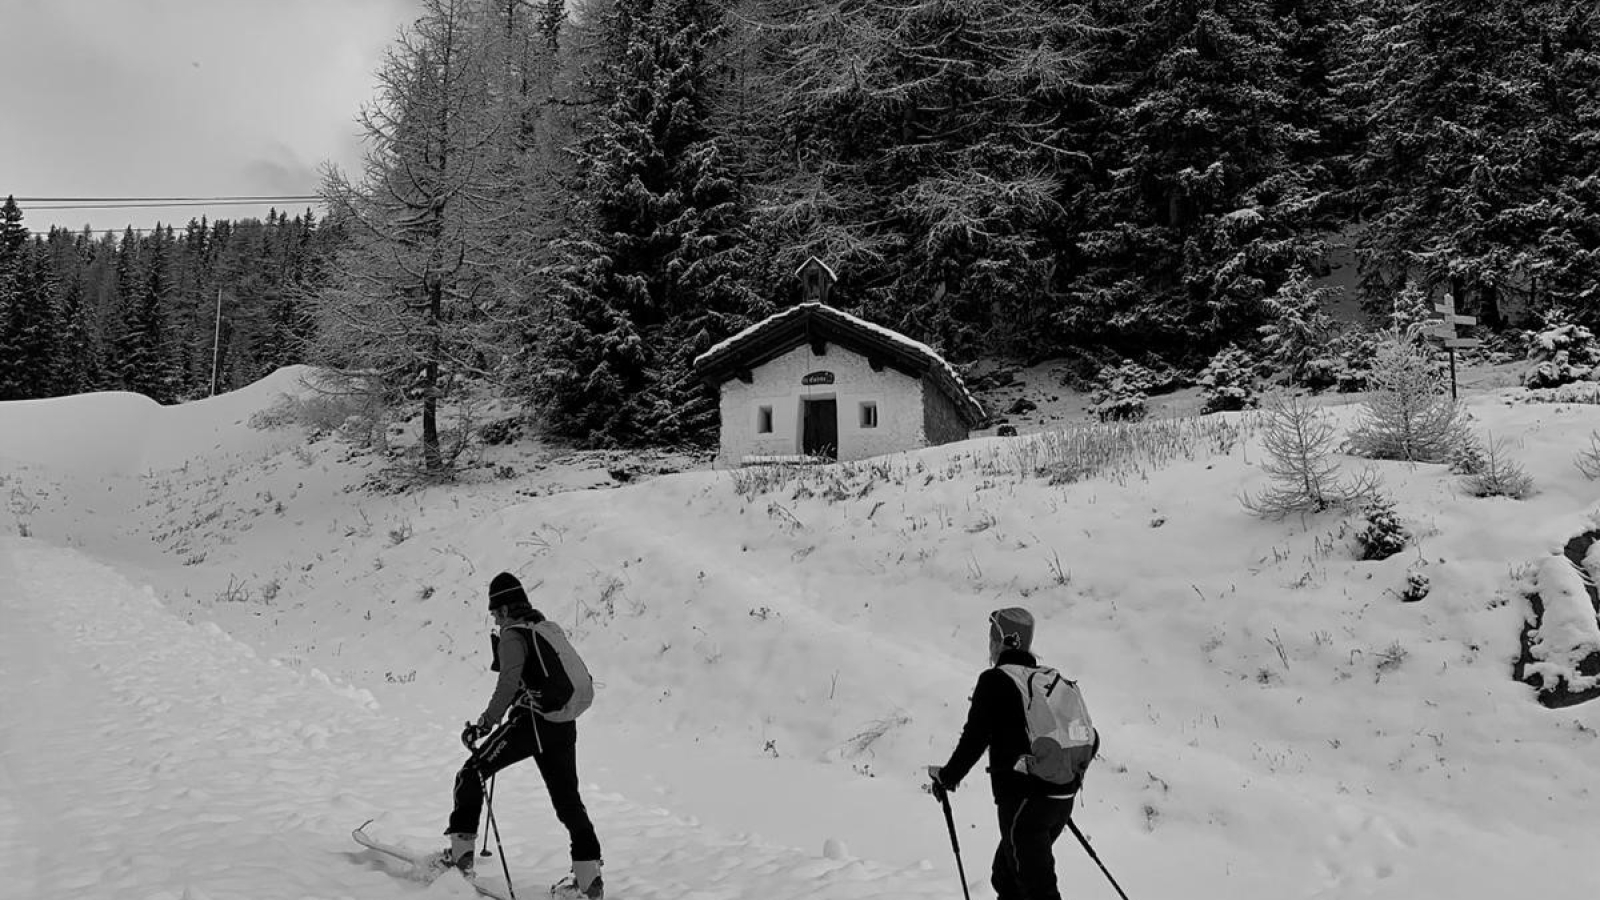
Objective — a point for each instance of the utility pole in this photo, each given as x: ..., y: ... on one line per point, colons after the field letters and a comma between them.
x: 216, y: 343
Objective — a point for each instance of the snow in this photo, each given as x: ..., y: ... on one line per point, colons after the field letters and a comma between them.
x: 221, y: 652
x: 1568, y: 632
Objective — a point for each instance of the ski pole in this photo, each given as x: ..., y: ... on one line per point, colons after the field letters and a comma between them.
x: 488, y: 808
x: 1096, y: 857
x: 955, y: 844
x: 488, y: 805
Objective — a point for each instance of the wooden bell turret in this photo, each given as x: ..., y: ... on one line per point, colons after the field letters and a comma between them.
x: 816, y: 280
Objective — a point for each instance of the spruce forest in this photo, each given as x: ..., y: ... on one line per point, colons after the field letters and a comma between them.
x: 565, y: 203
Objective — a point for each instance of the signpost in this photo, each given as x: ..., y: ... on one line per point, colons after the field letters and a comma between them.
x: 1445, y: 330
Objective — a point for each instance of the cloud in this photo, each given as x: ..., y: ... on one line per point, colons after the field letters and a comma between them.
x: 183, y: 98
x: 285, y: 173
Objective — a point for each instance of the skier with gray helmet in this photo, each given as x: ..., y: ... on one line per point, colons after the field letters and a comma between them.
x: 1037, y: 731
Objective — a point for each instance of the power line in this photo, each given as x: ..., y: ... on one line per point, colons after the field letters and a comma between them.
x: 228, y: 197
x: 159, y: 204
x: 183, y: 204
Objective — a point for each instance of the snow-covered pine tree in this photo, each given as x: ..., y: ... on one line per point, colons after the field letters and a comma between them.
x: 102, y: 302
x: 1212, y: 186
x: 143, y: 344
x: 1228, y: 382
x: 928, y: 150
x: 1298, y: 328
x: 1470, y: 127
x: 653, y: 268
x: 1567, y: 252
x: 410, y: 312
x: 39, y: 326
x: 77, y: 368
x: 14, y: 297
x: 1409, y: 413
x: 1383, y: 535
x: 1409, y: 310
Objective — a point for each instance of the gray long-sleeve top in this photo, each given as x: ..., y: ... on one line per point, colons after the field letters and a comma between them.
x: 511, y: 653
x: 547, y: 684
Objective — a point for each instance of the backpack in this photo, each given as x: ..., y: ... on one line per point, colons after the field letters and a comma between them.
x: 1061, y: 738
x: 570, y: 662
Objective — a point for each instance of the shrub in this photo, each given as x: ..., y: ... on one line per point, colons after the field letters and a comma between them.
x: 1417, y: 587
x: 1562, y: 353
x: 1110, y: 407
x: 1228, y: 382
x: 500, y: 431
x: 1588, y: 461
x: 1383, y: 536
x: 1122, y: 393
x: 1500, y: 475
x: 1468, y: 456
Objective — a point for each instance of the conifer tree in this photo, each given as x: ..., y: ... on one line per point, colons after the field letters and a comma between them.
x: 652, y: 270
x: 1409, y: 415
x: 1472, y: 121
x: 931, y: 151
x: 1209, y: 186
x: 1300, y: 441
x: 1298, y: 329
x: 77, y: 359
x: 38, y: 326
x: 142, y: 348
x: 14, y: 299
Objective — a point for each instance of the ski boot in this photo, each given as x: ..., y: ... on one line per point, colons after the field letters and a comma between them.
x: 459, y: 854
x: 584, y: 883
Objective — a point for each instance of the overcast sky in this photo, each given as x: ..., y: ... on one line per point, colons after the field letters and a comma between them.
x: 169, y: 98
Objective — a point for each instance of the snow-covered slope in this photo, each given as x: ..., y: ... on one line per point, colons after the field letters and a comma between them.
x: 777, y: 660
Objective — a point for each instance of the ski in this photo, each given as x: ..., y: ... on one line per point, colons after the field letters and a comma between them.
x: 423, y: 868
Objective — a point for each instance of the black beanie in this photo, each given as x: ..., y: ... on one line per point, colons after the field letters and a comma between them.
x: 506, y: 591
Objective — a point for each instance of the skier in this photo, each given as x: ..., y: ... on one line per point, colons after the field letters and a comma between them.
x: 543, y: 696
x: 1032, y: 811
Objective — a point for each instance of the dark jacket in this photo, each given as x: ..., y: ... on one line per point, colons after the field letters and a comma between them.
x: 996, y: 721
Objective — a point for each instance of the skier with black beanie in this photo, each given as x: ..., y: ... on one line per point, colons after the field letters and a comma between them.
x: 543, y: 685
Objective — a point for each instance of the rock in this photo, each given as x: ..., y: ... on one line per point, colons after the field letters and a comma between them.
x: 1021, y: 405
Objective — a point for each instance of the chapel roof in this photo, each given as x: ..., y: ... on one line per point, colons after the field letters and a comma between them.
x: 801, y: 324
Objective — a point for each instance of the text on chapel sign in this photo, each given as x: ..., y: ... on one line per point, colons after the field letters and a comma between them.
x: 817, y: 378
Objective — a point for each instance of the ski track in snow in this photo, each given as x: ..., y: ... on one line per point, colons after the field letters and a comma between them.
x: 145, y: 757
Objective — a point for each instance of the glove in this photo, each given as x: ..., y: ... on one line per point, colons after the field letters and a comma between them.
x: 473, y: 732
x: 936, y: 784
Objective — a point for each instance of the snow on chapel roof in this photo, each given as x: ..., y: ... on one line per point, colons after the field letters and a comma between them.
x: 782, y: 332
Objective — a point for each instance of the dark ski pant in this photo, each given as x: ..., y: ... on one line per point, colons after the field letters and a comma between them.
x: 1025, y: 862
x: 554, y: 748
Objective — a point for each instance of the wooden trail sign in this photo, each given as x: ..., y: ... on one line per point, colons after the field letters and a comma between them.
x: 1445, y: 330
